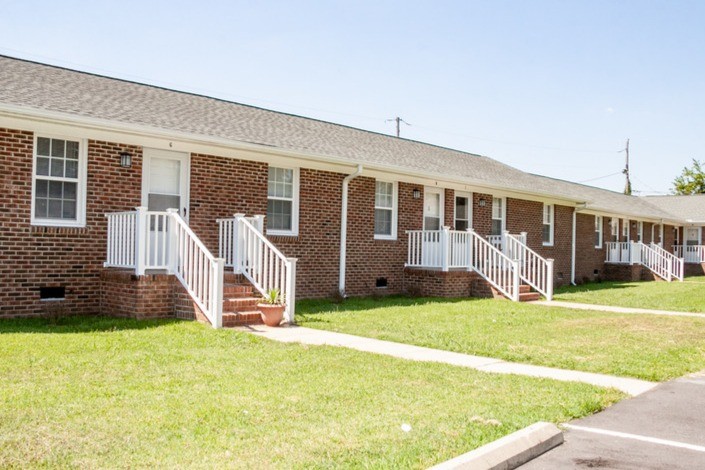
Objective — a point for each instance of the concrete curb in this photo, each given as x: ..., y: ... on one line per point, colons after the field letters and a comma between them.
x: 509, y: 451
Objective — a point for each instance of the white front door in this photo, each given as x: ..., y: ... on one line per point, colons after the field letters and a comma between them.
x: 165, y: 181
x: 432, y: 221
x: 165, y: 177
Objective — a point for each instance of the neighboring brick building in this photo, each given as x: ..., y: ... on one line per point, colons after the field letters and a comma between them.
x: 75, y: 147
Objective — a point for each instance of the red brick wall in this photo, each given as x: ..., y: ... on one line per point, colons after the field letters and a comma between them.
x: 482, y: 215
x: 588, y: 259
x: 449, y: 209
x: 125, y: 295
x: 527, y: 216
x: 34, y: 257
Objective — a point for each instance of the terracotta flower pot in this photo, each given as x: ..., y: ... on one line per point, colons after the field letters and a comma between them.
x: 271, y: 314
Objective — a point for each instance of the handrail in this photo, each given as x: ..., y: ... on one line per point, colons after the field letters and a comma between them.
x: 254, y: 256
x: 196, y: 268
x: 444, y: 249
x: 494, y: 266
x: 534, y: 269
x: 618, y: 252
x: 653, y: 260
x: 690, y: 253
x: 677, y: 262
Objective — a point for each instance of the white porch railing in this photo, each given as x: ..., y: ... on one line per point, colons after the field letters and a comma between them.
x: 659, y: 261
x: 690, y: 253
x: 533, y: 268
x: 677, y: 262
x: 494, y: 266
x: 453, y: 249
x: 496, y: 241
x: 143, y: 240
x: 618, y: 252
x: 251, y: 254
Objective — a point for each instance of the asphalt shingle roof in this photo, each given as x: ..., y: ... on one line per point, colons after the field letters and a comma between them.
x: 683, y: 207
x: 43, y: 87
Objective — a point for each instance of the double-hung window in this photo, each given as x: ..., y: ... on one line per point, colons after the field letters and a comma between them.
x: 58, y: 182
x: 598, y: 231
x: 497, y: 215
x: 283, y: 201
x: 548, y: 218
x: 385, y: 210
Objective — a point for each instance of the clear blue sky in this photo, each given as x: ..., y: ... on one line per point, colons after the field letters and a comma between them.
x: 550, y: 87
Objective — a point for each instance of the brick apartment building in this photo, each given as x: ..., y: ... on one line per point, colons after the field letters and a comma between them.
x: 276, y: 200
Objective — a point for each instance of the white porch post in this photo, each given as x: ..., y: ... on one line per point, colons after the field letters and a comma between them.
x: 290, y: 300
x: 503, y: 241
x: 140, y: 240
x: 445, y: 248
x: 471, y: 245
x: 217, y: 294
x: 173, y: 241
x: 237, y: 244
x: 515, y: 280
x: 549, y: 279
x: 259, y: 223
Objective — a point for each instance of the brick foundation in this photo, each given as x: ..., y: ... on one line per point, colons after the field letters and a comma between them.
x: 123, y: 294
x: 628, y: 273
x: 453, y: 283
x: 694, y: 269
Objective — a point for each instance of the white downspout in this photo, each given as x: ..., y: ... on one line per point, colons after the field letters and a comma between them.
x: 572, y: 251
x: 344, y: 228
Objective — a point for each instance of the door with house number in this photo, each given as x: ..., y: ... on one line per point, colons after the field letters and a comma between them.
x: 432, y: 224
x: 164, y: 186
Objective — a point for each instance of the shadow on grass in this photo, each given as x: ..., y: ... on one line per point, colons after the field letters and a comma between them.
x: 596, y: 286
x: 78, y: 324
x: 313, y: 310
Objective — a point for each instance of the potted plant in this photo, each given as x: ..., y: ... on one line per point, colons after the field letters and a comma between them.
x: 271, y: 308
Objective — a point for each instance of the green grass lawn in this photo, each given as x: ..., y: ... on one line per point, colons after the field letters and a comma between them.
x: 107, y: 393
x: 644, y: 346
x: 688, y: 296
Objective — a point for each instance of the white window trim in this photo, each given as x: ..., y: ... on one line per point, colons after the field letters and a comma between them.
x: 468, y: 196
x: 441, y: 201
x: 601, y: 228
x: 80, y: 187
x: 395, y: 210
x: 625, y: 233
x: 294, y: 232
x: 503, y: 214
x: 550, y: 223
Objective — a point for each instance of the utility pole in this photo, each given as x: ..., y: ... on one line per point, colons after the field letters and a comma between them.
x: 399, y: 121
x: 628, y: 183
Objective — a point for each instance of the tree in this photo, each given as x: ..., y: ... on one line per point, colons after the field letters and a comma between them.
x: 691, y: 181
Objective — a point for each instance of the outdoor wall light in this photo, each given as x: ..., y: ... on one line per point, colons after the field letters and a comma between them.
x: 125, y: 159
x: 416, y: 193
x: 481, y: 203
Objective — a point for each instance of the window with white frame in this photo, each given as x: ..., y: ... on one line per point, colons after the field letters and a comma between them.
x: 385, y: 210
x: 625, y: 230
x: 497, y: 215
x: 282, y: 201
x: 463, y: 213
x: 614, y: 229
x: 598, y: 231
x: 640, y: 232
x: 548, y: 224
x: 58, y: 188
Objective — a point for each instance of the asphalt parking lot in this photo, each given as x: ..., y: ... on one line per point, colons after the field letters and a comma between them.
x: 661, y: 429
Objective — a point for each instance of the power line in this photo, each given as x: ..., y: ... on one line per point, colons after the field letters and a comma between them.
x: 600, y: 177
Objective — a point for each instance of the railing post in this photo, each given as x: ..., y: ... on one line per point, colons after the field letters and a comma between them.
x: 217, y: 294
x: 503, y: 242
x: 140, y: 240
x: 173, y: 241
x: 290, y: 300
x: 237, y: 244
x: 259, y: 223
x: 549, y: 279
x: 471, y: 244
x: 515, y: 280
x: 445, y: 248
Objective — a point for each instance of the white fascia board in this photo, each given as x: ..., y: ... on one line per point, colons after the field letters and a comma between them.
x: 630, y: 216
x: 144, y: 135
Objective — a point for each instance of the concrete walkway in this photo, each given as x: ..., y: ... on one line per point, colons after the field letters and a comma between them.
x: 608, y: 308
x: 298, y: 334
